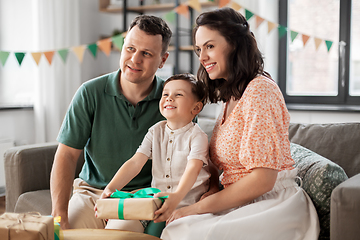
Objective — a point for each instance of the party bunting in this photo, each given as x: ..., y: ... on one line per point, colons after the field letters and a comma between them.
x: 49, y: 56
x: 293, y: 35
x: 305, y: 38
x: 170, y: 16
x: 259, y: 21
x: 248, y: 14
x: 183, y: 9
x: 36, y: 56
x: 223, y: 3
x: 195, y: 4
x: 318, y: 41
x: 93, y: 49
x: 271, y: 26
x: 20, y: 57
x: 3, y: 57
x: 235, y: 6
x: 328, y: 44
x: 105, y: 45
x: 63, y: 54
x: 79, y: 52
x: 118, y: 41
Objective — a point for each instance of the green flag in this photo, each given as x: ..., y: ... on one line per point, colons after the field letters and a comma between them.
x: 20, y: 57
x: 63, y: 54
x: 3, y: 57
x: 93, y: 49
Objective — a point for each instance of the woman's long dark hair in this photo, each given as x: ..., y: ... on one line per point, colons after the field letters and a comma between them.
x: 245, y: 60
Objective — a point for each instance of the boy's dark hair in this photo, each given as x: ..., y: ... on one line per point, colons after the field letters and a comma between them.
x: 198, y: 87
x: 153, y: 25
x: 245, y: 60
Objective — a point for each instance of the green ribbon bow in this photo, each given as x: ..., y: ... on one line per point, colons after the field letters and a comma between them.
x: 143, y: 193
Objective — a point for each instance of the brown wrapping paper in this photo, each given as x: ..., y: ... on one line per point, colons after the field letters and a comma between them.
x: 134, y: 208
x: 29, y: 226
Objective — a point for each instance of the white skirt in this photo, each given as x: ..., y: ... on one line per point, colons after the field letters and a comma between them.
x: 286, y: 212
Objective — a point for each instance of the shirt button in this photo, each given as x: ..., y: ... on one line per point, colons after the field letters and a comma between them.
x: 168, y: 187
x: 170, y: 141
x: 168, y: 159
x: 167, y: 176
x: 172, y: 132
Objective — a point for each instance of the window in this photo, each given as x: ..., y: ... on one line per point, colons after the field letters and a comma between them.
x: 319, y: 58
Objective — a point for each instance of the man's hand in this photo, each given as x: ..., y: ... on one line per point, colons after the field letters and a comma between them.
x: 168, y: 206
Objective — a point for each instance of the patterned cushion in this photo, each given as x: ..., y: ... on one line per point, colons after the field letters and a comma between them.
x: 319, y: 176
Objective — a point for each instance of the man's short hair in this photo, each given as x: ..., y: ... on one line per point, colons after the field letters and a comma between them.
x: 153, y: 25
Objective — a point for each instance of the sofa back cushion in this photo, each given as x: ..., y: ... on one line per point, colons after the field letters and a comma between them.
x: 338, y: 142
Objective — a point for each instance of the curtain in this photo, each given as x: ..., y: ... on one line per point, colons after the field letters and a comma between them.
x: 56, y: 26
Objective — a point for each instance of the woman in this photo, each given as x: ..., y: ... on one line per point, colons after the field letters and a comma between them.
x: 250, y: 144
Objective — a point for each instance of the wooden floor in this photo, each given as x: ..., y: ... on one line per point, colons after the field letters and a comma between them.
x: 2, y: 205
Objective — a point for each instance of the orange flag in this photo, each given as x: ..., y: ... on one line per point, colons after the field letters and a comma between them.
x: 305, y: 38
x: 317, y: 42
x: 36, y: 56
x: 223, y: 3
x: 259, y: 20
x: 49, y: 56
x: 235, y: 6
x: 271, y: 26
x: 183, y: 9
x: 79, y: 52
x: 105, y: 45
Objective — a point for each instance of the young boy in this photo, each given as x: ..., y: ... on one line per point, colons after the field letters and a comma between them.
x: 178, y: 149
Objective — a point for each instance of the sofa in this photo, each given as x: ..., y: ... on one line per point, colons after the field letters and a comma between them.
x: 327, y: 156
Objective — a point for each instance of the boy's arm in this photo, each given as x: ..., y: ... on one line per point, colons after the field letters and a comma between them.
x: 125, y: 174
x: 187, y: 180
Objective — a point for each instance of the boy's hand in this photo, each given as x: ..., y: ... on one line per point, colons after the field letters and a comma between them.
x: 105, y: 194
x: 168, y: 206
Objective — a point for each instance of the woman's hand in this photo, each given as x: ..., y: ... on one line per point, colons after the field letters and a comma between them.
x: 168, y: 206
x: 181, y: 212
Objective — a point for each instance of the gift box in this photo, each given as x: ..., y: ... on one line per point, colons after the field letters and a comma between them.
x: 29, y: 226
x: 128, y: 206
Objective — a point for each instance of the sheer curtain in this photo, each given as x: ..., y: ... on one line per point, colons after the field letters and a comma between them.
x: 56, y: 26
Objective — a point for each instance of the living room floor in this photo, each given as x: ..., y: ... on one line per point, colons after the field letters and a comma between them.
x: 2, y: 204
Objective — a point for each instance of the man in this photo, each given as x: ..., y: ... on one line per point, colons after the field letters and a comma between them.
x: 108, y: 118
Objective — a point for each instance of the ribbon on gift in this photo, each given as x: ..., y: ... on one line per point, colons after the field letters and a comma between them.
x: 142, y: 193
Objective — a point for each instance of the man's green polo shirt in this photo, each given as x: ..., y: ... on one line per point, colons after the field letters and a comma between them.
x: 110, y: 129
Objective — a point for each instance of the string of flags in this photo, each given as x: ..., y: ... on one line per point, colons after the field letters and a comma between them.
x: 105, y: 45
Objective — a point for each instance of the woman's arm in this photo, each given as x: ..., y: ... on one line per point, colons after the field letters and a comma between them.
x: 257, y: 183
x: 187, y: 180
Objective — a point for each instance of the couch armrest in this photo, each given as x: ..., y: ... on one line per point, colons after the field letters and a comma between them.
x: 27, y: 168
x: 345, y: 210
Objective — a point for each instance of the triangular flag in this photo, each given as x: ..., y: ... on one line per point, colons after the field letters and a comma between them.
x: 195, y: 4
x: 79, y: 52
x: 93, y: 49
x: 248, y: 14
x: 293, y: 35
x: 63, y: 54
x: 317, y: 42
x: 49, y: 56
x: 282, y: 31
x: 328, y: 44
x: 271, y: 26
x: 36, y: 56
x: 3, y: 57
x: 20, y: 57
x: 182, y: 9
x: 235, y: 6
x: 223, y: 3
x: 259, y: 20
x: 170, y: 16
x: 305, y: 38
x: 105, y: 45
x: 118, y: 41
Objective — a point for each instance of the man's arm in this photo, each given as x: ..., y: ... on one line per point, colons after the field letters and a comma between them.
x: 61, y: 181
